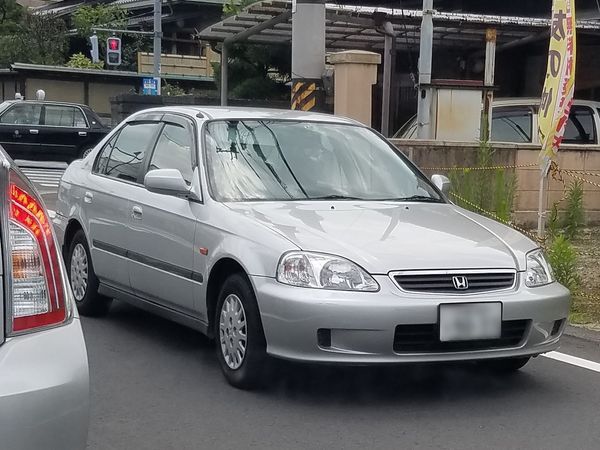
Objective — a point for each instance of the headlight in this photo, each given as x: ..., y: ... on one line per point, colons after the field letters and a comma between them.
x: 539, y: 271
x: 316, y: 270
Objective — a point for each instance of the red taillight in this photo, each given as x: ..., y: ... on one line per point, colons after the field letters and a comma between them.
x: 38, y: 296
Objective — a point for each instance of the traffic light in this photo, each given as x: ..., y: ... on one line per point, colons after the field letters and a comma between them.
x: 113, y: 51
x: 94, y: 52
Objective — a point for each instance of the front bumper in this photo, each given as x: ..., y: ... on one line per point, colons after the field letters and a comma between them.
x: 362, y: 326
x: 44, y: 390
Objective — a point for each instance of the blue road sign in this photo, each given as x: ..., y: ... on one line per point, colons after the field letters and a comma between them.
x: 149, y: 86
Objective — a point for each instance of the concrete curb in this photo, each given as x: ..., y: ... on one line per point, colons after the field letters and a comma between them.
x: 582, y: 333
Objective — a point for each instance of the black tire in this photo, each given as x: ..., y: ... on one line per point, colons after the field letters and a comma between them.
x: 91, y: 303
x: 507, y: 365
x: 85, y: 152
x: 252, y: 372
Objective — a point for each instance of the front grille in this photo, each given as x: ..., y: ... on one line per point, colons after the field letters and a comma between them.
x: 424, y: 338
x: 446, y: 283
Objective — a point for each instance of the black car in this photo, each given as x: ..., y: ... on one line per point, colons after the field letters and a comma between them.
x: 40, y: 130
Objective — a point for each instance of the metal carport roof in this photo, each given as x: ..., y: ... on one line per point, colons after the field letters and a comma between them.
x: 354, y: 27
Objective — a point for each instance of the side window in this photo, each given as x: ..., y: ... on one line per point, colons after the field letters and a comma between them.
x: 22, y: 114
x: 124, y: 158
x: 63, y: 116
x: 511, y: 124
x: 580, y: 128
x: 174, y: 151
x: 104, y: 155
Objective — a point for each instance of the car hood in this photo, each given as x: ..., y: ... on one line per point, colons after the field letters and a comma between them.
x: 387, y: 236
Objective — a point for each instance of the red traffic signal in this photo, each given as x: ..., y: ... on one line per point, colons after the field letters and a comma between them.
x: 114, y: 44
x: 113, y: 51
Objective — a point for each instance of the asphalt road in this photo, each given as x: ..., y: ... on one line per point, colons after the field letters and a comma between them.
x: 157, y: 385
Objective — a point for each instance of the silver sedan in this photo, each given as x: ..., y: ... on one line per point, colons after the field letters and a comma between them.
x: 299, y: 236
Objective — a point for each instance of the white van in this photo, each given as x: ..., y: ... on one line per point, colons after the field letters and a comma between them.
x: 515, y: 120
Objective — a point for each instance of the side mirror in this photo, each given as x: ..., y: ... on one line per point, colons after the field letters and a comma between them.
x: 167, y: 181
x: 442, y: 183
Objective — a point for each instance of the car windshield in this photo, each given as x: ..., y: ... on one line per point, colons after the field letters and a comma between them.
x: 255, y: 160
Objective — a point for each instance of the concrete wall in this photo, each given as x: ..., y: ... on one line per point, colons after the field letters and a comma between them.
x: 101, y: 93
x: 8, y: 89
x: 430, y: 154
x: 57, y: 90
x: 97, y: 97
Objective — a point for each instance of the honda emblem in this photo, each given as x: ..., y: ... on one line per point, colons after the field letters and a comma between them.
x: 460, y: 283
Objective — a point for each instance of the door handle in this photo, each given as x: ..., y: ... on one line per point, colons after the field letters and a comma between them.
x: 82, y: 133
x: 137, y: 213
x: 88, y: 197
x: 34, y: 131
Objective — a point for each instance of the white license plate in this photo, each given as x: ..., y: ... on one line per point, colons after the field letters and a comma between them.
x: 470, y: 321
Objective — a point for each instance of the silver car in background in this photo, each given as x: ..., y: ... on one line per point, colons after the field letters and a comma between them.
x: 44, y: 382
x: 300, y: 236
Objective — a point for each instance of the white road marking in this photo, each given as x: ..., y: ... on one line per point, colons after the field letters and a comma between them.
x: 48, y: 178
x: 573, y: 360
x: 52, y: 214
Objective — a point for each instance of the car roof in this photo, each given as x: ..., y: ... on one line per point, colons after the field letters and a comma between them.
x: 249, y: 113
x: 47, y: 103
x: 533, y: 101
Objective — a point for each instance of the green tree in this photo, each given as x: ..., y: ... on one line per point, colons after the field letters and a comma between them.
x: 256, y: 71
x: 100, y: 16
x: 36, y: 39
x: 11, y: 15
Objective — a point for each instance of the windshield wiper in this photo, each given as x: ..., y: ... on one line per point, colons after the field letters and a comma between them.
x: 335, y: 197
x: 417, y: 198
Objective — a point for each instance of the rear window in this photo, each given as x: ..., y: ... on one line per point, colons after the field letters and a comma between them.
x: 408, y: 130
x: 580, y: 128
x: 95, y: 120
x: 64, y: 116
x: 512, y: 124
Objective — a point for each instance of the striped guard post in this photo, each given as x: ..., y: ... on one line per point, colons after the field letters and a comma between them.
x: 307, y: 95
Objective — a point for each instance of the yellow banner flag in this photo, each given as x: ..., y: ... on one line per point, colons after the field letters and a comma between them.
x: 559, y: 86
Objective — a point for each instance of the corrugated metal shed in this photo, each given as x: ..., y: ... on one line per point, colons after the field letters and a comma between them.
x: 354, y: 27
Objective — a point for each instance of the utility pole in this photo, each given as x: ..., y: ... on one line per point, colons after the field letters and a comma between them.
x: 424, y: 130
x: 308, y: 54
x: 157, y: 42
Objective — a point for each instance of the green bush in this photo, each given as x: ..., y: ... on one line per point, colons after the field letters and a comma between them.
x: 570, y: 221
x: 574, y: 217
x: 563, y: 259
x: 80, y: 61
x: 491, y: 190
x: 172, y: 90
x: 553, y: 227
